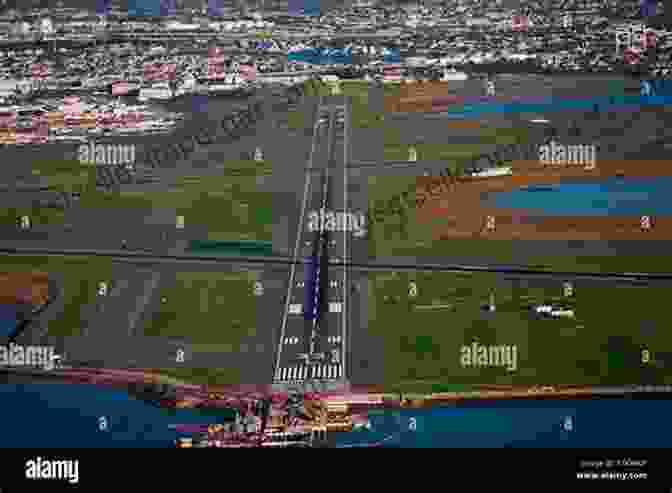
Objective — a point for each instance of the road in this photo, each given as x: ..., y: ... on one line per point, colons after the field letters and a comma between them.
x: 210, y: 263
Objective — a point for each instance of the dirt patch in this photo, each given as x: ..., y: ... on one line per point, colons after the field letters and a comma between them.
x: 419, y: 97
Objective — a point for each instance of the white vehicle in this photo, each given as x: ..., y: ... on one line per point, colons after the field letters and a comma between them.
x: 543, y: 309
x: 493, y: 172
x: 335, y: 356
x: 452, y: 74
x: 554, y: 311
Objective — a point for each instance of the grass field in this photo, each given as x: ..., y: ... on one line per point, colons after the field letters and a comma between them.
x: 63, y: 175
x: 37, y: 215
x: 81, y: 278
x: 66, y: 175
x: 602, y: 345
x: 229, y: 204
x: 215, y: 312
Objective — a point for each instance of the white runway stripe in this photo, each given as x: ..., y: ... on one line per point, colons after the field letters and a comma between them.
x: 340, y: 371
x: 314, y: 372
x: 335, y: 307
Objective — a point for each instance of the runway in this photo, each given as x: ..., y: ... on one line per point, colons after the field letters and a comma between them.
x: 299, y: 335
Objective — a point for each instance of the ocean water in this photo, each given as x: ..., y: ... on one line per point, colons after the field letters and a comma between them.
x: 54, y: 415
x: 606, y: 197
x: 9, y: 320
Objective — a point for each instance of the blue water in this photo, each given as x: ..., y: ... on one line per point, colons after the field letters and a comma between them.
x: 8, y: 320
x: 53, y: 415
x: 607, y: 197
x: 607, y: 103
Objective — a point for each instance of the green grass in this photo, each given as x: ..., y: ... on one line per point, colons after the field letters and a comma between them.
x: 65, y: 175
x: 215, y: 312
x: 601, y: 346
x: 68, y: 175
x: 37, y: 215
x: 219, y: 311
x: 229, y: 205
x: 81, y: 278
